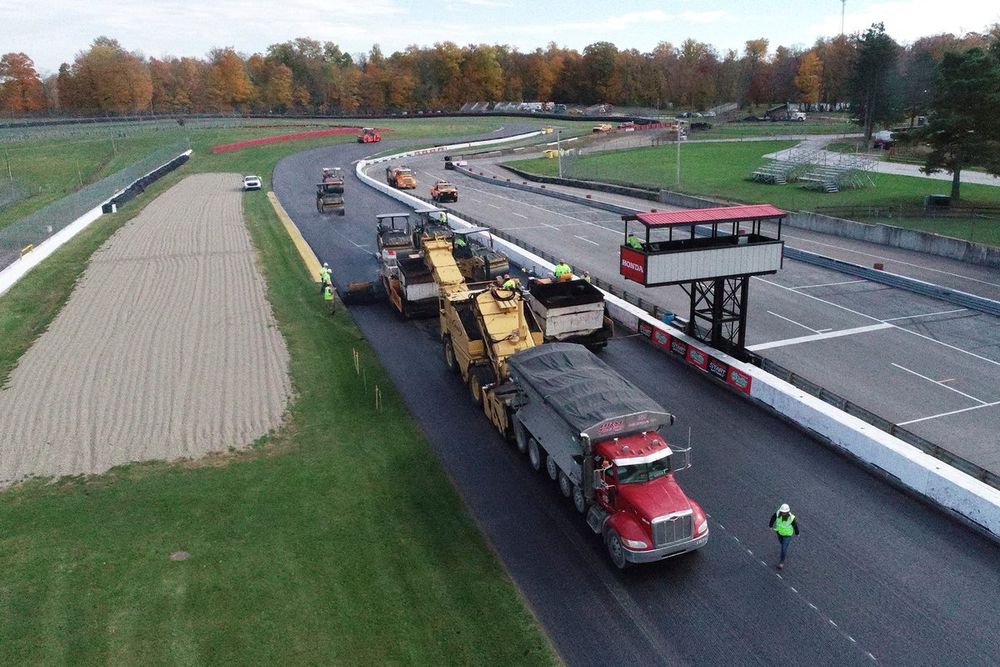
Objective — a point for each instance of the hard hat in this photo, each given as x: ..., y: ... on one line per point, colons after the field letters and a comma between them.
x: 325, y: 264
x: 784, y: 508
x: 506, y: 275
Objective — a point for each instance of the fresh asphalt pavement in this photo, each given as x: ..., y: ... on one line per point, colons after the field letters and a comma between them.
x: 927, y: 365
x: 877, y: 576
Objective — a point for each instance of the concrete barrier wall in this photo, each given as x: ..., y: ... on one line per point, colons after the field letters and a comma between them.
x: 898, y: 237
x: 11, y: 274
x: 938, y: 482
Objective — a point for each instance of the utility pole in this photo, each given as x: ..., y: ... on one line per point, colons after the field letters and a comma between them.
x: 843, y: 8
x: 680, y: 126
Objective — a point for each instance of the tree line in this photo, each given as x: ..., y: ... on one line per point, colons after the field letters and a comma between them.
x: 307, y: 76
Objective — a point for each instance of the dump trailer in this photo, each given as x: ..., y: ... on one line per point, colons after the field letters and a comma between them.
x: 597, y: 435
x: 571, y: 312
x: 330, y: 191
x: 411, y: 287
x: 401, y: 178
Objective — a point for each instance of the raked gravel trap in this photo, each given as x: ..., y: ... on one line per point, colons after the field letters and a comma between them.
x: 166, y: 349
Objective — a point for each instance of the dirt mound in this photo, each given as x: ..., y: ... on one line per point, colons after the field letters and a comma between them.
x: 167, y: 347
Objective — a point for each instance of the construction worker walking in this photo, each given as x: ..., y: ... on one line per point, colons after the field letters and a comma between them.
x: 785, y: 527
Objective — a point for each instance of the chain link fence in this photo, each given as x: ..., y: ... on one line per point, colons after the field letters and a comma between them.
x: 43, y: 223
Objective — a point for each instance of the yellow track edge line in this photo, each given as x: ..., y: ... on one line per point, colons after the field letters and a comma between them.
x: 308, y: 256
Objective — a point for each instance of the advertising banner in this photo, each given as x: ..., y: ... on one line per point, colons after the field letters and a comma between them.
x: 633, y: 265
x: 739, y: 380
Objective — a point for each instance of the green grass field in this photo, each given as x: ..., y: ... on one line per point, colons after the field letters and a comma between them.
x: 336, y: 540
x: 721, y: 171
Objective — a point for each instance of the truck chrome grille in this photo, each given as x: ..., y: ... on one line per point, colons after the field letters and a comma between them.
x: 674, y: 528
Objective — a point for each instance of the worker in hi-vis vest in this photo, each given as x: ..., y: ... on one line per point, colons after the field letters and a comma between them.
x: 785, y: 526
x: 562, y: 271
x: 632, y: 241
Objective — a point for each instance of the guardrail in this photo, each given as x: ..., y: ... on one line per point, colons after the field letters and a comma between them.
x: 957, y: 297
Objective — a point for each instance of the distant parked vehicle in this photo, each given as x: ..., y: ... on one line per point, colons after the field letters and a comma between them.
x: 883, y: 139
x: 251, y: 183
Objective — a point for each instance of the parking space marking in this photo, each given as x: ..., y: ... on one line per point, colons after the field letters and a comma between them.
x: 940, y: 312
x: 940, y: 384
x: 820, y: 336
x: 949, y: 413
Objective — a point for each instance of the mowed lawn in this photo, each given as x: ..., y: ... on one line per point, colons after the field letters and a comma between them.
x: 721, y: 171
x: 336, y: 540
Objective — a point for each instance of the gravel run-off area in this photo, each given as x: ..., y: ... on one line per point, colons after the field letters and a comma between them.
x: 166, y: 349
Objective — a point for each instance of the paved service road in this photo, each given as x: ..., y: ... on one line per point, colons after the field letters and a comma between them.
x: 924, y: 364
x: 875, y: 572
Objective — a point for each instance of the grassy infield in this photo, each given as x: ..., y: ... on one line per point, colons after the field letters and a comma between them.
x: 332, y: 541
x: 720, y: 171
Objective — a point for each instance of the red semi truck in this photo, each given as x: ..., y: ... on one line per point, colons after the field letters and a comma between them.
x: 597, y: 435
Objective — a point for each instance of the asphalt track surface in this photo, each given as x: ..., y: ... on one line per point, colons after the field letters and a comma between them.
x: 927, y: 365
x: 876, y: 577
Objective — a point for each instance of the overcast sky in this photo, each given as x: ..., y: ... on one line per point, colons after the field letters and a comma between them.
x: 53, y: 32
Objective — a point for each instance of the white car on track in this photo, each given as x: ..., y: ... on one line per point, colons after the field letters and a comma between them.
x: 251, y: 183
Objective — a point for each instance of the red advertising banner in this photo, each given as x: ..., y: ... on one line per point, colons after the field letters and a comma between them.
x: 697, y: 357
x: 661, y: 339
x: 645, y: 329
x: 633, y: 265
x: 739, y: 380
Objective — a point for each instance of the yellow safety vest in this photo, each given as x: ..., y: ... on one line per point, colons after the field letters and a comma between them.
x: 784, y: 526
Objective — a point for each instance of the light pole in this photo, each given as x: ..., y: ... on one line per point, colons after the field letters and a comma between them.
x: 680, y: 126
x: 559, y: 151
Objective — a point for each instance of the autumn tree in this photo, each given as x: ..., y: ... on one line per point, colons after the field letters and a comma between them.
x: 874, y: 85
x: 963, y: 130
x: 838, y: 56
x: 809, y: 78
x: 20, y: 88
x: 227, y: 87
x: 106, y: 79
x: 481, y: 75
x: 756, y: 79
x: 599, y: 66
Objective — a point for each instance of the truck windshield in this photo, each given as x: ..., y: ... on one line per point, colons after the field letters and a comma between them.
x: 637, y: 473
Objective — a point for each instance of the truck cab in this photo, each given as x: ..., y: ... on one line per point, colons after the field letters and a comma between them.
x: 644, y: 514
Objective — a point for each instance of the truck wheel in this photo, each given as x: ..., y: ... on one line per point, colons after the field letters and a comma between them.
x: 449, y: 355
x: 475, y: 389
x: 521, y: 437
x: 616, y: 550
x: 565, y: 485
x: 534, y: 454
x: 551, y: 468
x: 579, y: 500
x: 341, y: 212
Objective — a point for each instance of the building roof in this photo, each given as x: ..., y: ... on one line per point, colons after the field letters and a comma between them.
x: 701, y: 216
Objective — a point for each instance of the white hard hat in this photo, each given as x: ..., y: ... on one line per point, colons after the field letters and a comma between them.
x: 325, y: 264
x: 784, y: 508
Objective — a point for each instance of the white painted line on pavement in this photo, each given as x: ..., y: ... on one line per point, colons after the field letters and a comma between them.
x: 520, y: 215
x: 948, y: 414
x: 582, y: 238
x: 798, y: 324
x: 846, y: 282
x: 819, y: 336
x: 938, y: 383
x: 940, y: 312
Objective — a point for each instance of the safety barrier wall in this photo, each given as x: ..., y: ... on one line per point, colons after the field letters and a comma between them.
x: 20, y: 267
x: 936, y: 481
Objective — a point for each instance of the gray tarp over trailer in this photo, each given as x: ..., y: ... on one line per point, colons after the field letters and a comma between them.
x: 585, y: 392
